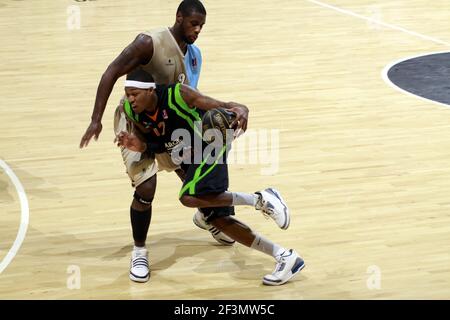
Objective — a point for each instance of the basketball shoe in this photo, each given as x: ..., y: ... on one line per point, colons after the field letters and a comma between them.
x: 139, y: 267
x: 288, y: 264
x: 272, y: 205
x: 218, y: 235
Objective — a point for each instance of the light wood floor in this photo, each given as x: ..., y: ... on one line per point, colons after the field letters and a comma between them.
x: 364, y: 168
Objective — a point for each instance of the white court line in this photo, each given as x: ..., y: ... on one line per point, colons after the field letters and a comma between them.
x: 384, y: 72
x: 24, y: 217
x: 384, y: 75
x: 381, y: 23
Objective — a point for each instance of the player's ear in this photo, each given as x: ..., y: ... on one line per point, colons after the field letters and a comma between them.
x: 179, y: 18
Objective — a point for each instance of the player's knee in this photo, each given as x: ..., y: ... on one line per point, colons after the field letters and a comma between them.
x: 147, y: 188
x: 141, y: 203
x: 189, y: 201
x: 143, y: 196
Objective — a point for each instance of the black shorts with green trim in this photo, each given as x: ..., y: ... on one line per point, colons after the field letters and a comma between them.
x: 205, y: 178
x: 208, y: 177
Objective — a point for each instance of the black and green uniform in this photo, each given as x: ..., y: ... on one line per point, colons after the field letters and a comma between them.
x: 207, y: 175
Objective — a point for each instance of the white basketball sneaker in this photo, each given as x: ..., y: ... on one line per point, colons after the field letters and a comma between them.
x: 218, y: 235
x: 139, y: 267
x: 272, y: 204
x: 288, y: 264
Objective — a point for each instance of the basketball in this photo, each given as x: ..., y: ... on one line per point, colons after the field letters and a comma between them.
x: 219, y: 119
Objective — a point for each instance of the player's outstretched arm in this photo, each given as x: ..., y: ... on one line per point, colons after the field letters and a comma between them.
x: 140, y: 51
x: 195, y: 98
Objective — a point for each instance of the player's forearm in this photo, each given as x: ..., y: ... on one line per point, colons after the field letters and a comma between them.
x: 104, y: 90
x: 195, y: 99
x: 208, y: 103
x: 231, y: 105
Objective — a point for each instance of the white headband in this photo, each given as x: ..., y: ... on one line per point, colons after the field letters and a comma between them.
x: 139, y: 84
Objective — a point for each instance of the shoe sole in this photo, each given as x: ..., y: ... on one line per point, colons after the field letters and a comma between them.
x: 296, y: 269
x: 286, y: 209
x: 139, y: 279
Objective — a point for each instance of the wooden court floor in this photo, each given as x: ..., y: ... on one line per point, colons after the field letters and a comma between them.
x: 363, y: 167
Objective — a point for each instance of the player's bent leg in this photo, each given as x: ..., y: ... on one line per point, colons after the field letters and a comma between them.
x: 221, y: 199
x: 200, y: 219
x: 140, y: 215
x: 234, y: 229
x: 189, y: 201
x: 269, y: 201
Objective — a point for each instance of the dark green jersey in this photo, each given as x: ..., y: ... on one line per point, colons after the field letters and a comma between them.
x: 172, y: 113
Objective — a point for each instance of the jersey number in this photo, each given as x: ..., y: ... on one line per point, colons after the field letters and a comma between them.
x: 161, y: 130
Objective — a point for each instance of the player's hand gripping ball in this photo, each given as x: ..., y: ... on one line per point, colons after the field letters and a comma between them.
x: 219, y: 119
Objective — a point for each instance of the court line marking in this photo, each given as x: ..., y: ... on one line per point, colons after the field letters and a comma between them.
x: 384, y: 72
x: 384, y: 75
x: 381, y: 23
x: 24, y: 216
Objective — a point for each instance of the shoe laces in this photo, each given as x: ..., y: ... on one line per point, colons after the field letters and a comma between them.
x: 282, y: 257
x: 266, y: 210
x: 140, y: 262
x: 140, y: 258
x: 280, y: 266
x: 281, y: 262
x: 262, y: 205
x: 265, y: 215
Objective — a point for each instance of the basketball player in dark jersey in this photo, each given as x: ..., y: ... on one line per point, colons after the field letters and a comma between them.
x: 159, y: 111
x: 171, y: 56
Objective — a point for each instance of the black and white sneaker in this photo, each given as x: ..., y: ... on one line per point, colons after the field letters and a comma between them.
x: 219, y: 236
x: 289, y: 263
x: 272, y: 205
x: 139, y: 267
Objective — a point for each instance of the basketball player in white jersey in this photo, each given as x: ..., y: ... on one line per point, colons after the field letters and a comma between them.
x: 170, y: 55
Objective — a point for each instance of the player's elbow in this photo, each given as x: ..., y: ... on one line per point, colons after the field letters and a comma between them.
x: 189, y: 201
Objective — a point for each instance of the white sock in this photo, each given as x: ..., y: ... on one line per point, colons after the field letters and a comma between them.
x: 266, y: 246
x: 244, y: 199
x: 139, y: 248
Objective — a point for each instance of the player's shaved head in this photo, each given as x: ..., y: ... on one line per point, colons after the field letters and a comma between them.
x: 189, y: 7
